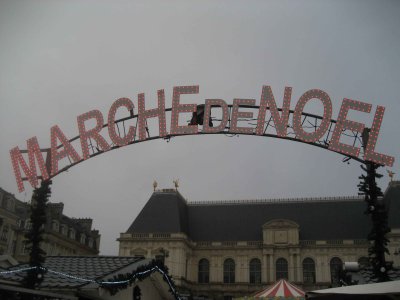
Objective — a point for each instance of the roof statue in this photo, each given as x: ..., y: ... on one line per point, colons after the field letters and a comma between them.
x: 176, y: 183
x: 154, y: 185
x: 391, y: 174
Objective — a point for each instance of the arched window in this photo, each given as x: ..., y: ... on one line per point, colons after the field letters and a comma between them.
x: 255, y: 270
x: 336, y: 265
x: 204, y: 271
x: 229, y: 270
x: 282, y: 269
x: 308, y: 270
x: 363, y: 262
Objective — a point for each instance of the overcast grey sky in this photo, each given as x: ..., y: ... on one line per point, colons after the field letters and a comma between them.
x: 60, y: 59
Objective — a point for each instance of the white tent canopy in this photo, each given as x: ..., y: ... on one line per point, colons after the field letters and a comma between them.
x: 382, y: 288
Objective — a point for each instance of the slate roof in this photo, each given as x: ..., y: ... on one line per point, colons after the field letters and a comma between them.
x: 319, y: 219
x: 78, y: 268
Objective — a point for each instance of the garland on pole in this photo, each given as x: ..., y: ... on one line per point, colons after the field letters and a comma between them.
x: 379, y: 215
x: 34, y: 236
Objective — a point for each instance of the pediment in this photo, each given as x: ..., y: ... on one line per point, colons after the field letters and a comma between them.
x: 138, y: 251
x: 280, y: 224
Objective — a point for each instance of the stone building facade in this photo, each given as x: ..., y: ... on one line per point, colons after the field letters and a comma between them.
x: 62, y: 235
x: 225, y: 249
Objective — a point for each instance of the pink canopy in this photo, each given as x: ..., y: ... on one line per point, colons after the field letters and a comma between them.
x: 282, y: 288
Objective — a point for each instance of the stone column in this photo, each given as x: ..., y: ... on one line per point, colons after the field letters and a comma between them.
x: 291, y: 267
x: 264, y: 268
x: 299, y: 269
x: 272, y: 268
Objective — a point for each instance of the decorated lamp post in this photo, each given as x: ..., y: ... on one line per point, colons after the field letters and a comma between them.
x: 35, y: 235
x: 379, y: 216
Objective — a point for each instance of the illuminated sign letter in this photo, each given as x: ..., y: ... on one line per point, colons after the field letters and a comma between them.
x: 151, y: 113
x: 92, y: 133
x: 370, y: 153
x: 312, y: 137
x: 343, y: 124
x: 236, y: 115
x: 116, y: 138
x: 30, y: 172
x: 207, y: 113
x: 57, y: 134
x: 268, y: 102
x: 179, y: 108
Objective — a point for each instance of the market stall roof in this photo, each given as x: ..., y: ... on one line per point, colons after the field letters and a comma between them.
x: 382, y: 288
x: 282, y: 288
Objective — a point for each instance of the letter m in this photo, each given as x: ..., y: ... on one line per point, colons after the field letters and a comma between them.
x: 18, y: 163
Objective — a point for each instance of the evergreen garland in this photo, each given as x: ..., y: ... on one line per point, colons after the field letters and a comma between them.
x: 140, y: 274
x: 34, y: 236
x: 379, y: 215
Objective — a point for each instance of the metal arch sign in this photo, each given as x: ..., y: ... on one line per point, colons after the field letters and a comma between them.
x: 296, y: 125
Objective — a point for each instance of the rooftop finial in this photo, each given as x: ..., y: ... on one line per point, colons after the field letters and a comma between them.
x: 176, y: 183
x: 391, y: 174
x: 154, y: 185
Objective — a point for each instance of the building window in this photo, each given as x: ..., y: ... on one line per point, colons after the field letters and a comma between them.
x: 83, y: 238
x: 24, y: 249
x: 64, y: 229
x: 14, y: 247
x: 363, y: 262
x: 161, y: 255
x: 4, y: 234
x: 54, y: 225
x: 282, y: 269
x: 51, y: 249
x: 229, y: 271
x: 204, y: 271
x: 90, y: 243
x: 20, y: 223
x: 308, y: 270
x: 10, y: 204
x: 28, y: 225
x: 336, y: 265
x: 255, y: 271
x: 71, y: 233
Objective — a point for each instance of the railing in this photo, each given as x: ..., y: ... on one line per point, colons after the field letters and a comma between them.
x: 361, y: 242
x: 161, y: 235
x: 334, y: 242
x: 254, y: 243
x: 276, y: 200
x: 204, y: 244
x: 140, y: 235
x: 308, y: 243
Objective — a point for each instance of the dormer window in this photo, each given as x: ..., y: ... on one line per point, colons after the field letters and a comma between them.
x: 83, y: 238
x: 71, y: 233
x: 28, y: 225
x: 54, y: 225
x: 4, y: 234
x: 64, y: 229
x: 90, y: 242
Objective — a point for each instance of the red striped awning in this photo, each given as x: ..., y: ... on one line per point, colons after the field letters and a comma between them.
x: 282, y: 288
